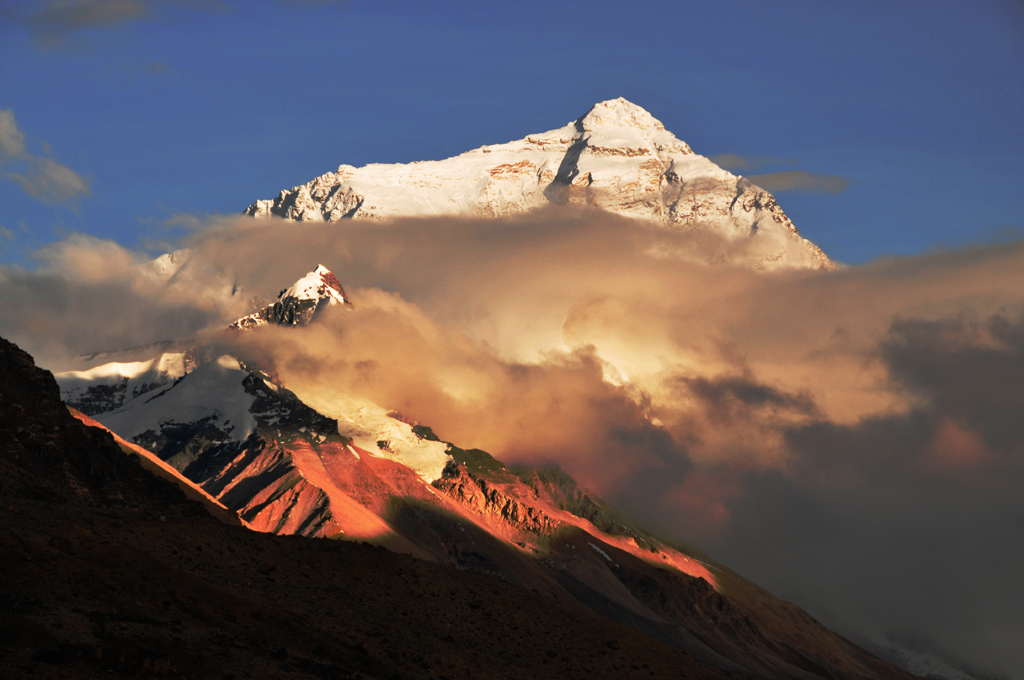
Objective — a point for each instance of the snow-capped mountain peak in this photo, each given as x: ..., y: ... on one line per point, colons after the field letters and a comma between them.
x: 616, y: 157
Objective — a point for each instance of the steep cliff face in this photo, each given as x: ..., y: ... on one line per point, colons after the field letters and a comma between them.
x: 616, y: 157
x: 48, y: 455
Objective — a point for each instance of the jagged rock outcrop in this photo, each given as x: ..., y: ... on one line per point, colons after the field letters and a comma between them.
x: 487, y: 499
x: 616, y: 157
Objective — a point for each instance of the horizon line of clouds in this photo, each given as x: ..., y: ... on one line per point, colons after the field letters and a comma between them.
x: 39, y: 176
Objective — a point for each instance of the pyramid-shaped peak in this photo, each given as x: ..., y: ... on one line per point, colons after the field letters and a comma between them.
x: 619, y: 113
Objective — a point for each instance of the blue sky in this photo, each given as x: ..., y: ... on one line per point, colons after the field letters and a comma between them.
x: 169, y: 108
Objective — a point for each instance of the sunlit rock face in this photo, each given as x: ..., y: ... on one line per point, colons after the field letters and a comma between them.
x: 616, y: 157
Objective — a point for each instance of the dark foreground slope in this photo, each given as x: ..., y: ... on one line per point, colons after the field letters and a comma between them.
x: 107, y: 570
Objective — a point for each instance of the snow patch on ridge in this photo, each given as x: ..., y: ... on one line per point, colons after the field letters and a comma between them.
x: 213, y: 391
x: 115, y: 383
x: 370, y: 428
x: 598, y: 549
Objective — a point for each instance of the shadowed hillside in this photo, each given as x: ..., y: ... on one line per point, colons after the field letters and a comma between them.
x: 108, y: 569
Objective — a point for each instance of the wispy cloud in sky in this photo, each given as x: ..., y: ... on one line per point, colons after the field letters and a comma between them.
x: 781, y: 181
x: 39, y: 176
x: 737, y: 163
x: 71, y: 14
x: 53, y: 22
x: 12, y: 140
x: 59, y: 24
x: 155, y: 68
x: 801, y: 181
x: 6, y: 236
x: 50, y: 181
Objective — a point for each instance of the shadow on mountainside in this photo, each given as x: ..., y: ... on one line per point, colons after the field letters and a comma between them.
x: 108, y: 569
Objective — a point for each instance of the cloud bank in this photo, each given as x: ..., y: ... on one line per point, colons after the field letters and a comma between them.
x: 848, y: 439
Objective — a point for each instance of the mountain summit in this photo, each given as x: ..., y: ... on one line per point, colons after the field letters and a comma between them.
x: 619, y: 113
x: 616, y: 157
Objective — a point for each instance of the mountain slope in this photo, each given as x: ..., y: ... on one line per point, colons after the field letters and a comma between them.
x: 109, y: 570
x: 256, y: 448
x: 616, y: 157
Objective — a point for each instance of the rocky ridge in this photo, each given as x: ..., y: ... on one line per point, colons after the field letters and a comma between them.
x: 616, y: 157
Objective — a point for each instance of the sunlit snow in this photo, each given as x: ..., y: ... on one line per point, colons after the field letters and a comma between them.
x: 213, y: 390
